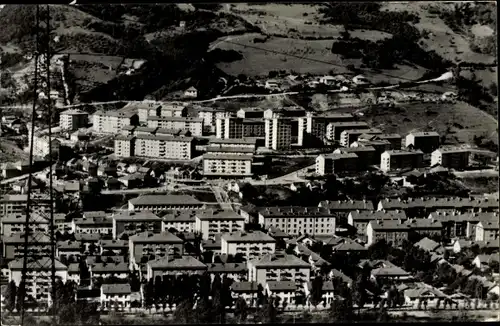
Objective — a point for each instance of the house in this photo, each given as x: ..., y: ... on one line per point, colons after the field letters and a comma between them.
x: 246, y: 290
x: 191, y: 92
x: 486, y: 246
x: 341, y: 208
x: 116, y: 296
x: 348, y: 246
x: 430, y: 246
x: 336, y: 274
x: 390, y: 273
x: 485, y: 261
x: 420, y: 292
x: 133, y: 180
x: 311, y: 257
x: 213, y: 245
x: 328, y: 80
x: 284, y: 291
x: 272, y: 85
x: 277, y: 234
x: 487, y: 231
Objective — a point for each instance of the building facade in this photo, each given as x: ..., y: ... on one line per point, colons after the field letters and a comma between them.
x: 451, y: 157
x: 112, y: 122
x: 191, y: 124
x: 73, y: 119
x: 278, y: 133
x: 226, y: 165
x: 400, y: 159
x: 328, y: 164
x: 427, y: 142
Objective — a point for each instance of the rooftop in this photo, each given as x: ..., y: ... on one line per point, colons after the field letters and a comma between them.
x: 356, y: 149
x: 160, y: 200
x: 164, y: 137
x: 281, y: 260
x: 247, y: 141
x: 136, y: 216
x: 219, y: 215
x: 73, y: 112
x: 229, y: 149
x: 163, y: 237
x: 227, y: 267
x: 245, y: 287
x: 433, y: 202
x: 116, y: 289
x: 249, y: 236
x: 377, y: 215
x: 113, y: 243
x: 185, y: 262
x: 452, y: 149
x: 181, y: 119
x: 44, y: 264
x: 424, y: 134
x: 97, y: 221
x: 350, y: 205
x: 424, y: 223
x: 227, y: 157
x: 339, y: 156
x: 296, y: 211
x: 395, y: 152
x: 282, y: 286
x: 389, y: 225
x: 180, y: 216
x: 110, y: 267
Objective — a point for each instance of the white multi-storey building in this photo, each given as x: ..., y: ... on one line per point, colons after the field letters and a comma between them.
x: 42, y: 146
x: 217, y: 165
x: 278, y: 133
x: 252, y: 244
x: 210, y: 116
x: 194, y: 125
x: 211, y: 223
x: 426, y: 141
x: 170, y: 109
x: 334, y: 129
x: 327, y: 164
x: 279, y: 267
x: 112, y: 122
x: 124, y: 146
x: 400, y: 159
x: 161, y: 146
x: 347, y: 137
x: 73, y: 119
x: 312, y: 128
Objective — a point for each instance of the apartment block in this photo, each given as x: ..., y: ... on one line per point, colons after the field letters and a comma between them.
x: 238, y: 272
x: 285, y: 112
x: 225, y: 165
x: 158, y: 203
x: 229, y: 143
x: 174, y: 266
x: 427, y: 142
x: 425, y: 226
x: 94, y: 225
x: 124, y: 146
x: 380, y: 146
x: 401, y: 159
x: 251, y: 112
x: 360, y: 219
x: 115, y: 296
x: 15, y: 223
x: 166, y: 147
x: 13, y: 246
x: 365, y: 154
x: 112, y: 122
x: 191, y: 124
x: 394, y: 139
x: 278, y: 133
x: 144, y: 246
x: 334, y: 129
x: 393, y: 231
x: 312, y: 127
x: 131, y: 223
x: 38, y: 276
x: 211, y: 223
x: 251, y: 244
x: 327, y: 164
x: 210, y: 116
x: 278, y: 267
x: 429, y: 204
x: 347, y: 137
x: 295, y: 220
x: 451, y: 157
x: 73, y: 119
x: 180, y: 221
x: 235, y: 127
x: 43, y: 146
x: 340, y: 209
x: 16, y: 204
x: 171, y: 109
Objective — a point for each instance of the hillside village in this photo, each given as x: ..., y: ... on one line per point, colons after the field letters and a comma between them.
x: 188, y: 209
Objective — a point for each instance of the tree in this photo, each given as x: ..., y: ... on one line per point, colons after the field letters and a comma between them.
x: 21, y: 291
x: 149, y: 294
x: 359, y: 291
x: 241, y: 309
x: 316, y: 291
x: 269, y: 313
x: 183, y: 313
x: 10, y: 296
x: 338, y: 311
x: 204, y: 285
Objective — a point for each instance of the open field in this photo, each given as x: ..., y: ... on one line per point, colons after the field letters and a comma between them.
x: 286, y: 20
x: 442, y: 39
x: 302, y: 56
x: 112, y: 62
x: 459, y: 122
x: 481, y: 184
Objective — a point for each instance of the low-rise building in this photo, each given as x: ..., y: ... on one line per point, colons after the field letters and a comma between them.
x: 425, y: 226
x: 487, y: 231
x: 180, y: 221
x: 233, y: 166
x: 116, y: 296
x: 366, y: 155
x: 194, y: 125
x: 278, y: 267
x: 107, y: 270
x: 73, y: 119
x: 96, y: 224
x: 296, y: 220
x: 117, y: 247
x: 132, y: 223
x: 249, y: 291
x: 170, y: 109
x: 327, y: 164
x: 340, y: 209
x: 347, y: 137
x: 38, y: 245
x: 451, y: 157
x: 211, y: 223
x: 284, y: 291
x: 236, y: 271
x: 360, y: 218
x: 426, y: 141
x: 392, y: 231
x: 250, y: 244
x: 401, y: 159
x: 67, y: 249
x: 174, y: 266
x: 148, y: 246
x: 234, y: 143
x: 157, y: 203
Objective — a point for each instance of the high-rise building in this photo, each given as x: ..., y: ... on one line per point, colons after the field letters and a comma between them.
x: 278, y: 133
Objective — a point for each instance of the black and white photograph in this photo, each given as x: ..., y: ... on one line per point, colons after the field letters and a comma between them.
x: 249, y: 163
